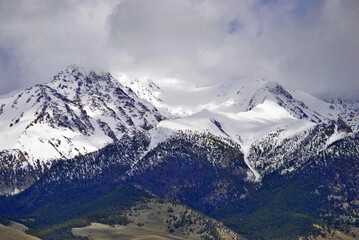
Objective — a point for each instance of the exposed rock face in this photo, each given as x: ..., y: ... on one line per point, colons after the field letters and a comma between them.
x: 77, y: 113
x: 16, y: 175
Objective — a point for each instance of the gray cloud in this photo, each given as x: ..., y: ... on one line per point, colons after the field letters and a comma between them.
x: 308, y: 45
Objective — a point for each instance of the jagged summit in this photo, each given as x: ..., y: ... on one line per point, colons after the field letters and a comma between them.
x: 76, y: 113
x: 74, y: 73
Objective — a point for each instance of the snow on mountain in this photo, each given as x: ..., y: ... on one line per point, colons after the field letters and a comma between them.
x: 171, y: 102
x: 77, y: 113
x: 348, y: 110
x: 244, y: 128
x: 255, y: 113
x: 177, y: 98
x: 80, y: 112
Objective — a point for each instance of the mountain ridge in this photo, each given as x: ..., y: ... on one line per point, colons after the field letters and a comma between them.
x: 79, y: 112
x: 250, y: 154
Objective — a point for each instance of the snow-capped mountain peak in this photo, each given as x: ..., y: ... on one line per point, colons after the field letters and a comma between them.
x: 239, y: 95
x: 76, y: 113
x: 82, y: 111
x: 256, y: 114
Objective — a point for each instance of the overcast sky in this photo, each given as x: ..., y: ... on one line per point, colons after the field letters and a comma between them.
x: 312, y: 45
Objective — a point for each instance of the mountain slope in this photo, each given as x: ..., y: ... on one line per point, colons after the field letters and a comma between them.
x: 209, y: 174
x: 324, y: 191
x: 68, y: 185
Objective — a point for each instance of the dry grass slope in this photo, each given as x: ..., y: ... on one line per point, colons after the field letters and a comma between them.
x: 8, y: 233
x: 156, y: 219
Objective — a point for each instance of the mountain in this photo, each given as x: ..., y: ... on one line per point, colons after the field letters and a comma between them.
x: 76, y: 113
x: 267, y: 162
x: 269, y: 123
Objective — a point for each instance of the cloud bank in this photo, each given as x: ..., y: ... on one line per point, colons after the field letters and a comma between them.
x: 311, y: 45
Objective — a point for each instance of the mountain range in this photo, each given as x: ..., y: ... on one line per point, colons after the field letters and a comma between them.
x: 266, y: 162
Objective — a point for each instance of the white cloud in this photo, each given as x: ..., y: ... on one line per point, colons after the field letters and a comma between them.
x: 309, y: 45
